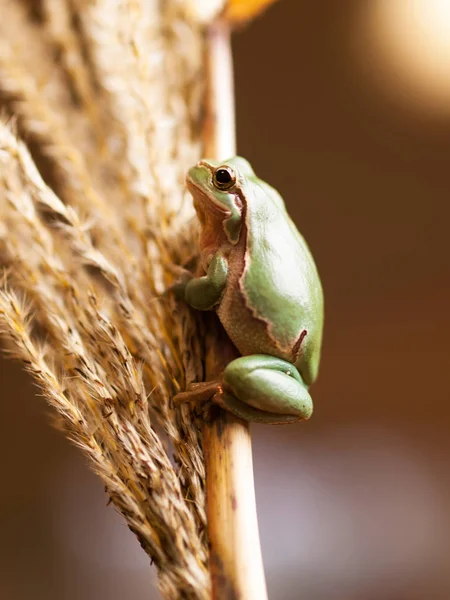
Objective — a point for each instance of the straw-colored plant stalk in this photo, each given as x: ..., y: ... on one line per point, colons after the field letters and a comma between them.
x: 101, y: 104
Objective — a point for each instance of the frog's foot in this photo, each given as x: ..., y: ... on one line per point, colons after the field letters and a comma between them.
x: 198, y: 392
x: 178, y: 288
x: 264, y: 389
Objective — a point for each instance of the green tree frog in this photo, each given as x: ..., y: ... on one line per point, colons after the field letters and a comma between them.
x: 260, y: 278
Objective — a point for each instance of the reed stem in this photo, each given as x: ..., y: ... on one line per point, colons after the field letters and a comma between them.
x: 235, y: 554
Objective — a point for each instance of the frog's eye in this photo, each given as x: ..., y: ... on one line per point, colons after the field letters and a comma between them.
x: 224, y: 178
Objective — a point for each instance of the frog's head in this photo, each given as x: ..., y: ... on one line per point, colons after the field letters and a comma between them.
x: 217, y: 189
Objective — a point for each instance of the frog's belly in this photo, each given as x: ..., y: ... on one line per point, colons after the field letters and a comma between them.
x: 249, y: 334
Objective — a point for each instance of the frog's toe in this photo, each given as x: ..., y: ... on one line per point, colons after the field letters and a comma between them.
x: 197, y: 392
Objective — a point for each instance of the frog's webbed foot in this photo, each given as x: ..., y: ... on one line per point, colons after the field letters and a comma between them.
x: 182, y: 277
x: 182, y: 274
x: 198, y: 392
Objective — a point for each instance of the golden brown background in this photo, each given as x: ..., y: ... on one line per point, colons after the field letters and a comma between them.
x: 354, y: 504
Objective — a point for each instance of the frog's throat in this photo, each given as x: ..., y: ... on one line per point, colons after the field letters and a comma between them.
x: 203, y: 202
x: 209, y: 211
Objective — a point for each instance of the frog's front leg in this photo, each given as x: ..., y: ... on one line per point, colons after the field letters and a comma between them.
x: 203, y: 293
x: 257, y: 388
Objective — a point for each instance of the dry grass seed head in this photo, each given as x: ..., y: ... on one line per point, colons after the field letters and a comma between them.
x: 114, y: 351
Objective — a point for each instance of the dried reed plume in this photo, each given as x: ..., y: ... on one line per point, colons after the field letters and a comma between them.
x: 101, y: 105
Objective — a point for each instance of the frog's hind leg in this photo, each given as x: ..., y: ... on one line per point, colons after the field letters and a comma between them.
x: 247, y: 412
x: 257, y: 388
x: 265, y: 389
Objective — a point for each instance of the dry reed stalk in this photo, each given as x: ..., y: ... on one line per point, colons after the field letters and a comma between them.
x: 235, y: 553
x: 108, y: 96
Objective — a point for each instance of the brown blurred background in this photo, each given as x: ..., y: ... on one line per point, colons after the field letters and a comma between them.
x: 345, y: 108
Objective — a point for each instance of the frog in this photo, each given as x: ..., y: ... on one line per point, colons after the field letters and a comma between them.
x: 258, y: 274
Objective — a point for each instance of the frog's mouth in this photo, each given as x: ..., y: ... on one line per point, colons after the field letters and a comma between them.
x: 205, y: 205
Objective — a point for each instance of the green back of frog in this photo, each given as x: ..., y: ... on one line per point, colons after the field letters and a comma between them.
x: 280, y: 281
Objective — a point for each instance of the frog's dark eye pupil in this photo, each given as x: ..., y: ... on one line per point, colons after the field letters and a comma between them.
x: 224, y: 178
